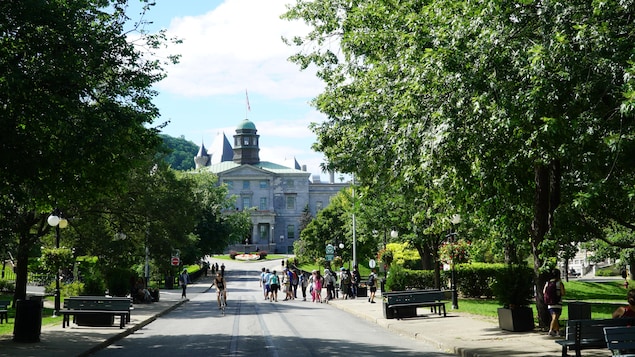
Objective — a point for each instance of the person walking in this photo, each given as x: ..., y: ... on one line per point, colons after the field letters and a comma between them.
x: 263, y: 281
x: 345, y: 282
x: 329, y: 281
x: 274, y: 285
x: 184, y: 279
x: 627, y: 311
x: 355, y: 280
x: 553, y: 291
x: 221, y: 288
x: 372, y: 285
x: 304, y: 283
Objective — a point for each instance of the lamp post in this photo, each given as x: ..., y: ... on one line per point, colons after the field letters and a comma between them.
x: 456, y: 219
x: 246, y: 242
x: 55, y: 220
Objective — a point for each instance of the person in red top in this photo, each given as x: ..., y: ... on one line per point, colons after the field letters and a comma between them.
x: 626, y: 311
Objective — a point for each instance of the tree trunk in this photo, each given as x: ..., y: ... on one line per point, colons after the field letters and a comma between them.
x: 22, y: 267
x: 546, y: 199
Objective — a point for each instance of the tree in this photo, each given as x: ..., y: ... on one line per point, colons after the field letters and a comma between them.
x: 179, y: 152
x: 512, y: 111
x: 75, y: 102
x: 218, y: 224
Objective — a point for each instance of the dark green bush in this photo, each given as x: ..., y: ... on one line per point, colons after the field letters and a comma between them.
x: 473, y: 280
x: 513, y: 286
x: 118, y: 281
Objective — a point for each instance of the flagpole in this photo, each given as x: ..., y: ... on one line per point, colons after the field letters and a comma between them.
x: 248, y: 107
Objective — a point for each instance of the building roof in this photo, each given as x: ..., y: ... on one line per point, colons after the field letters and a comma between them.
x: 274, y: 168
x: 246, y: 124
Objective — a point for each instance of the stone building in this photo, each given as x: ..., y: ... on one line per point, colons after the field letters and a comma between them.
x: 275, y: 194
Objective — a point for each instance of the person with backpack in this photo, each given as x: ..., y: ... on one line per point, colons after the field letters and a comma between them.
x: 345, y: 282
x: 372, y: 285
x: 553, y: 292
x: 274, y: 285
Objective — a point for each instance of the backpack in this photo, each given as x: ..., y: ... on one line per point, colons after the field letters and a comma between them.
x: 371, y: 280
x: 552, y: 293
x: 294, y: 278
x: 346, y: 278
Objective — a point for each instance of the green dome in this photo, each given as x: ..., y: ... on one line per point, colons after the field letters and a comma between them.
x: 246, y: 125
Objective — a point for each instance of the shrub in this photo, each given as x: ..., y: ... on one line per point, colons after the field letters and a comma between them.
x: 513, y: 286
x: 263, y: 254
x: 233, y: 254
x: 118, y: 281
x: 7, y: 286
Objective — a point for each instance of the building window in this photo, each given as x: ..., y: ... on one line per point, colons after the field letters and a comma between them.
x: 319, y: 205
x: 290, y: 202
x: 246, y: 141
x: 230, y: 184
x: 263, y: 204
x: 246, y: 203
x: 291, y: 231
x: 245, y: 184
x: 264, y: 184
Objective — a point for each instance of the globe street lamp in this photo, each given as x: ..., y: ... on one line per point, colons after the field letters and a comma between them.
x: 54, y: 220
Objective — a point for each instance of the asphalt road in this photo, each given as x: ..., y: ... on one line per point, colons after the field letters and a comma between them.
x: 255, y: 327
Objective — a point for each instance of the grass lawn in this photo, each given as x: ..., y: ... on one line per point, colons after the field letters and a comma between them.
x: 604, y: 297
x: 47, y: 317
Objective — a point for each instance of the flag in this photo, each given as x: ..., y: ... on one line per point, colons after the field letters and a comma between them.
x: 247, y: 97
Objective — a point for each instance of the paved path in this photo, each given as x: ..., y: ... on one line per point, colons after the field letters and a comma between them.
x: 465, y: 335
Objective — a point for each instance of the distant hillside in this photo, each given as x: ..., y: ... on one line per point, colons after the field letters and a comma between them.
x: 180, y: 152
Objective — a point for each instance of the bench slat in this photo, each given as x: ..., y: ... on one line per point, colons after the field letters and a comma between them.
x: 588, y: 334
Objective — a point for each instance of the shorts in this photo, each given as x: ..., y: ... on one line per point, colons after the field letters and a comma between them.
x: 274, y: 287
x: 555, y: 310
x: 373, y: 289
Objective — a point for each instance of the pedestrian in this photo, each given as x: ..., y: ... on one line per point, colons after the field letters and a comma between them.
x: 295, y: 281
x: 316, y: 286
x: 355, y: 280
x: 222, y: 270
x: 266, y: 282
x: 627, y: 311
x: 372, y: 285
x: 286, y: 285
x: 263, y: 281
x: 304, y: 283
x: 274, y: 285
x: 184, y: 279
x: 330, y: 280
x: 345, y: 282
x: 553, y: 291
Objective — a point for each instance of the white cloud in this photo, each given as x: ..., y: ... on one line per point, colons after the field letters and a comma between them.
x: 238, y: 45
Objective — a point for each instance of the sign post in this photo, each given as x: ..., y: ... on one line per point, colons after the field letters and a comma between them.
x: 330, y: 252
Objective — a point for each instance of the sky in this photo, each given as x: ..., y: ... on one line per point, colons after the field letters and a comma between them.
x: 232, y: 50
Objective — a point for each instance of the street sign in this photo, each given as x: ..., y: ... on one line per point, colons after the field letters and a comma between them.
x: 330, y: 249
x: 175, y: 261
x: 329, y: 257
x: 372, y: 264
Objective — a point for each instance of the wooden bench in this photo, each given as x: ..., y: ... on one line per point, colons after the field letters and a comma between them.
x: 620, y: 340
x: 400, y: 304
x: 588, y: 334
x: 96, y: 310
x: 4, y: 311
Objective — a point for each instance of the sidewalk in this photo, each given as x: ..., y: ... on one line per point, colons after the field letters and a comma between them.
x: 82, y: 340
x: 462, y: 334
x: 458, y: 333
